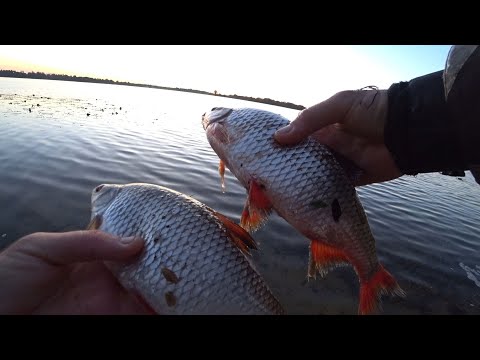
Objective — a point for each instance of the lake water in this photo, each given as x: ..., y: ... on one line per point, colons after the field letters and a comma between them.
x: 52, y: 154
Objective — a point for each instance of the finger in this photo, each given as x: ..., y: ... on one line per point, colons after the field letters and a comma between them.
x: 367, y: 115
x: 330, y: 111
x: 78, y: 246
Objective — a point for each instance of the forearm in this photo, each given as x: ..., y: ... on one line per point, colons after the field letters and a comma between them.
x: 426, y: 130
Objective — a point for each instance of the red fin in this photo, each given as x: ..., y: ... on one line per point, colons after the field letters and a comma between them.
x: 324, y: 257
x: 257, y: 208
x: 221, y: 171
x: 238, y: 235
x: 380, y: 283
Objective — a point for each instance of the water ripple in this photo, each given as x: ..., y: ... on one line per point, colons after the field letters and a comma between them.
x: 54, y: 154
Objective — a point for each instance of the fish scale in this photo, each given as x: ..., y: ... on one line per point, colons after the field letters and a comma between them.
x: 192, y: 242
x: 306, y: 184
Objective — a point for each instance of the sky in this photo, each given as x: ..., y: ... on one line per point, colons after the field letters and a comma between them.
x: 301, y: 74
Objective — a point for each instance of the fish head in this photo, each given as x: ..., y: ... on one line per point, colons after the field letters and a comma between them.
x: 102, y: 197
x: 216, y: 125
x: 239, y: 135
x: 229, y: 130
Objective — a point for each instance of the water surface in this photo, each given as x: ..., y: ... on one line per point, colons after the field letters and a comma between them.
x: 59, y: 139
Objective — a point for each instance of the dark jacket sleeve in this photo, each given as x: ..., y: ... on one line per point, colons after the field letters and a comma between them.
x: 433, y: 121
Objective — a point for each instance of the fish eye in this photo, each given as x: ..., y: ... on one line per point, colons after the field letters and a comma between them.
x: 219, y: 113
x: 98, y: 188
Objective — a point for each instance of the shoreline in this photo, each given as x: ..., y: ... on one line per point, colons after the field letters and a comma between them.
x: 43, y: 76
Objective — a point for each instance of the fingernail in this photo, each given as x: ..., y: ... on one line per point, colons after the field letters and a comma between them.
x: 127, y: 240
x: 285, y: 130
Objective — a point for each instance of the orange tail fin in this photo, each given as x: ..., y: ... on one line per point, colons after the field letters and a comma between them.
x: 370, y: 292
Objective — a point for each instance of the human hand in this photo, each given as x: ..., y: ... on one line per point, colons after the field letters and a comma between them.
x: 64, y: 273
x: 352, y: 124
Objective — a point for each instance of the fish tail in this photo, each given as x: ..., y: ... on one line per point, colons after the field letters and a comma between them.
x: 382, y: 282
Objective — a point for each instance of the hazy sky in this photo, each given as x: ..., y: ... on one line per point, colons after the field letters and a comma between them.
x: 302, y: 74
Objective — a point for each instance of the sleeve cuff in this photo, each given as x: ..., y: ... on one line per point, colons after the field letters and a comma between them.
x: 418, y: 130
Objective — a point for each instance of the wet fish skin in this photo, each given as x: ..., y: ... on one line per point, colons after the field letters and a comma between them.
x: 195, y: 260
x: 306, y: 184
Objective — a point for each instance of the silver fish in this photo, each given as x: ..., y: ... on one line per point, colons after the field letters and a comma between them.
x: 195, y: 260
x: 306, y: 184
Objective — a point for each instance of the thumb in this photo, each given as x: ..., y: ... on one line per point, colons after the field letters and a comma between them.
x: 330, y: 111
x: 78, y: 246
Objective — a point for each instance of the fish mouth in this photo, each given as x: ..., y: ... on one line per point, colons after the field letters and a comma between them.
x: 215, y: 115
x: 102, y: 196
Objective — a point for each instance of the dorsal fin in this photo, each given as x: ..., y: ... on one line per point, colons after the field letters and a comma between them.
x: 237, y: 234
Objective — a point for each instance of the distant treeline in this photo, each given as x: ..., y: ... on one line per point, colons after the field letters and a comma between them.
x: 41, y: 75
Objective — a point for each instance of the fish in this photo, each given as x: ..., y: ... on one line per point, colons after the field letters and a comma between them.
x: 309, y: 186
x: 196, y: 261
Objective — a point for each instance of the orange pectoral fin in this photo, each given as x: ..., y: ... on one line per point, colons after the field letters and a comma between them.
x: 257, y: 208
x: 237, y: 234
x: 324, y: 257
x: 221, y: 171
